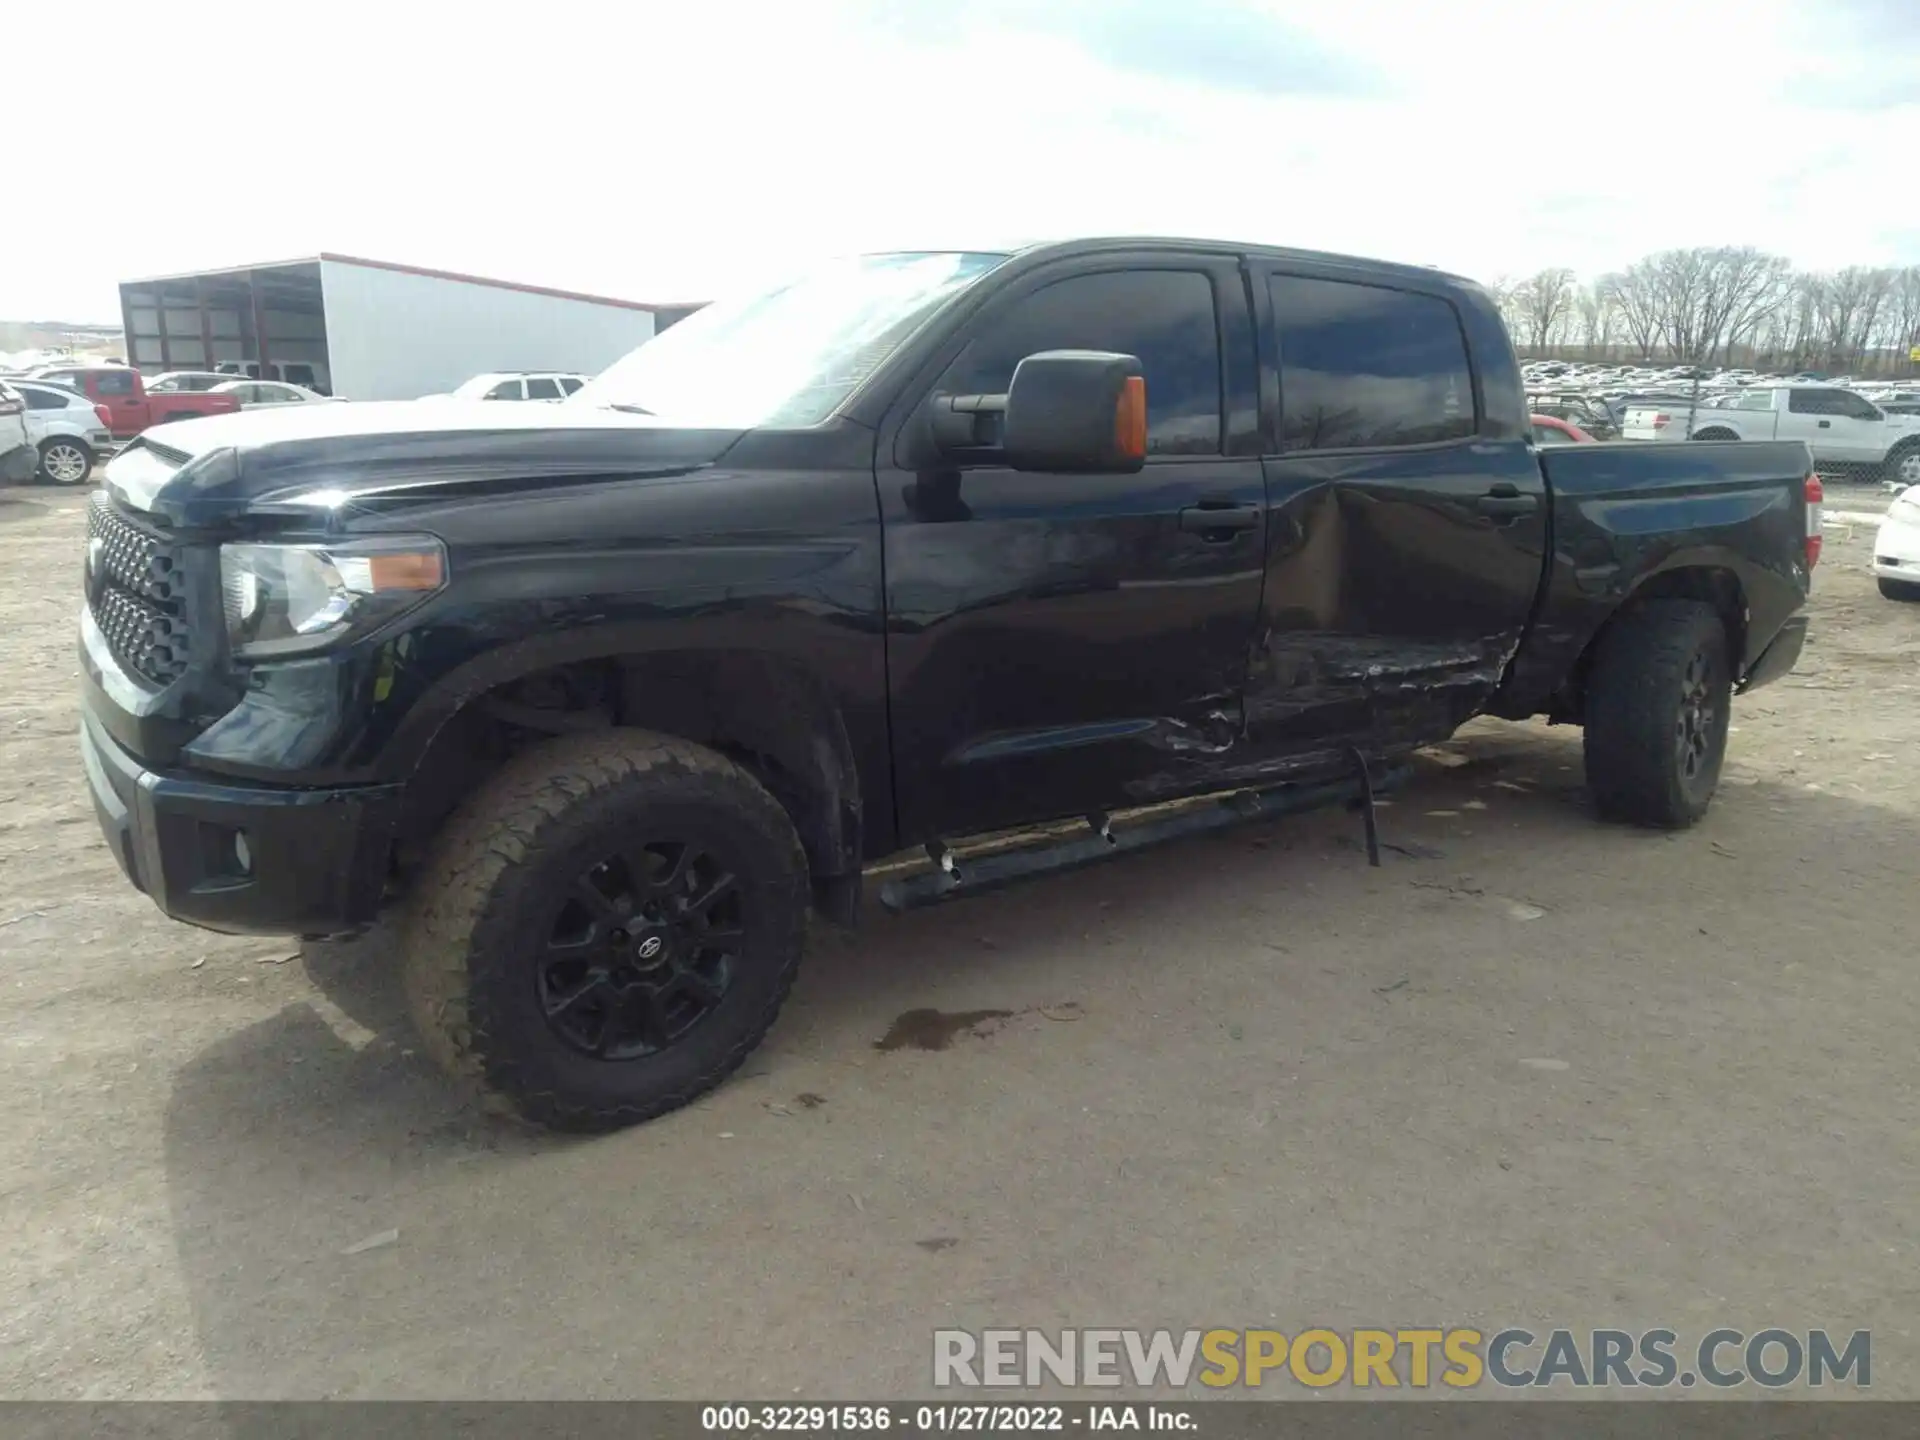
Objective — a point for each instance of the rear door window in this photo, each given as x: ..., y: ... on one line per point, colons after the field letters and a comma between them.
x: 1815, y: 402
x: 1366, y: 367
x: 543, y: 387
x: 114, y: 382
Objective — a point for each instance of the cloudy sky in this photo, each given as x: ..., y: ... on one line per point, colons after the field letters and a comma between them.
x: 609, y: 148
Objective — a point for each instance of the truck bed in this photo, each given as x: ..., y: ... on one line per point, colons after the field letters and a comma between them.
x: 1623, y: 513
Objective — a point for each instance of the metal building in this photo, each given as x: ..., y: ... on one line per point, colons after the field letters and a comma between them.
x: 373, y: 330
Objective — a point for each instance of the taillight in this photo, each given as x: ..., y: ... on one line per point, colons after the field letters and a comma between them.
x: 1815, y: 494
x: 1660, y: 422
x: 101, y: 411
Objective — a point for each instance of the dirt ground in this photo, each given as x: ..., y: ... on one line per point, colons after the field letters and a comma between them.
x: 1534, y: 1071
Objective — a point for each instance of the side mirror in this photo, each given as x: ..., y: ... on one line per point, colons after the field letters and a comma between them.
x: 1066, y: 412
x: 1077, y: 411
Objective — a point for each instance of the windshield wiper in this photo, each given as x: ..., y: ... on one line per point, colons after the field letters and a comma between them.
x: 628, y: 409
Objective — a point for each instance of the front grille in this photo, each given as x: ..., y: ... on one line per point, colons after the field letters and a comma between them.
x: 137, y: 590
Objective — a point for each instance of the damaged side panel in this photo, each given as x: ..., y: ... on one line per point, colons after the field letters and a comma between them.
x: 1393, y: 603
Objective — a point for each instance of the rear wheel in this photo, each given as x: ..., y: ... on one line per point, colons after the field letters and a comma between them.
x: 1902, y: 467
x: 1716, y: 435
x: 1900, y: 589
x: 607, y: 929
x: 1658, y: 702
x: 64, y: 460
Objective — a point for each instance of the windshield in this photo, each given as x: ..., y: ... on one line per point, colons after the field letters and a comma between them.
x: 788, y: 356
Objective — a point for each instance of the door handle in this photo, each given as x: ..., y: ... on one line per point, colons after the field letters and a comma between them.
x: 1219, y: 520
x: 1826, y: 424
x: 1507, y: 501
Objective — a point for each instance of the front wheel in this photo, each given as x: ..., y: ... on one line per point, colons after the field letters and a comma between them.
x: 607, y: 929
x: 65, y: 461
x: 1658, y: 702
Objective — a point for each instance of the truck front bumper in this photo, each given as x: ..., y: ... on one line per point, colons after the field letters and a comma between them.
x: 244, y: 860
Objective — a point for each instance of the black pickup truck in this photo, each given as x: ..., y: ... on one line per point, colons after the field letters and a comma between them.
x: 604, y: 698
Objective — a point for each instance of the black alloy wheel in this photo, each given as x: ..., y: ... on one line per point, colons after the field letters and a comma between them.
x: 641, y: 949
x: 1695, y: 730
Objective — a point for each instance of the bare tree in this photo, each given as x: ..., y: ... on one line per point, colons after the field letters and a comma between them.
x: 1599, y: 314
x: 1849, y: 309
x: 1718, y: 304
x: 1809, y: 296
x: 1506, y: 297
x: 1545, y: 302
x: 1682, y: 284
x: 1736, y: 282
x: 1769, y: 323
x: 1903, y: 309
x: 1636, y: 300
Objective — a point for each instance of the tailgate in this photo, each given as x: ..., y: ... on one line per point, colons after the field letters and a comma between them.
x: 1649, y: 422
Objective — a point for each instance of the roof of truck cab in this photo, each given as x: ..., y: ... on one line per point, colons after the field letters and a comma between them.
x: 1094, y: 244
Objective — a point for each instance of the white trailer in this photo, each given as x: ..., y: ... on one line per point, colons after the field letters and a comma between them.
x: 372, y: 330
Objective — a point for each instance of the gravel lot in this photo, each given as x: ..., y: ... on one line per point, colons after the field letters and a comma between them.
x: 1243, y: 1080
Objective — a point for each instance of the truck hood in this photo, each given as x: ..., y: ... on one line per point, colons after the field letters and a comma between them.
x: 205, y: 471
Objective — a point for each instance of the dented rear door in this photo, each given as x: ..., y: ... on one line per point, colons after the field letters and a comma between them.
x: 1406, y: 538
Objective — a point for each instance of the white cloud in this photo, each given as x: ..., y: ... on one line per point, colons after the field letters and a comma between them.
x: 613, y: 148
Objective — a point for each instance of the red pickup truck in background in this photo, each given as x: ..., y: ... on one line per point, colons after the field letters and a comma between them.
x: 122, y: 397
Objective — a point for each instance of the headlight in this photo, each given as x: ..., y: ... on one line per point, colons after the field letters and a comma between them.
x: 291, y: 599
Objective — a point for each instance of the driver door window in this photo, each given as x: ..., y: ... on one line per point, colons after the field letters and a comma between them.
x: 1164, y: 317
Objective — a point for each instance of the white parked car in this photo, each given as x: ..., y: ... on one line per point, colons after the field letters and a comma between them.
x: 1840, y: 427
x: 66, y: 429
x: 270, y: 394
x: 191, y: 381
x: 520, y: 385
x: 1896, y: 549
x: 17, y: 455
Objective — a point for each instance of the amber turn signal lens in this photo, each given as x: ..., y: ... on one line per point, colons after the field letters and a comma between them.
x: 1130, y: 419
x: 416, y: 571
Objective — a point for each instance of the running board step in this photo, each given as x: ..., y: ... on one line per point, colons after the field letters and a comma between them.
x: 953, y: 877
